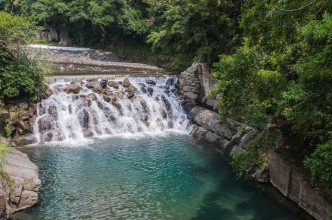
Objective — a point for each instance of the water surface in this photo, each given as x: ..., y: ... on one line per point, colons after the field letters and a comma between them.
x: 148, y: 178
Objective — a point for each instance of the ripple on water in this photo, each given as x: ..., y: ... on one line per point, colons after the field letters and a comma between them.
x: 148, y: 178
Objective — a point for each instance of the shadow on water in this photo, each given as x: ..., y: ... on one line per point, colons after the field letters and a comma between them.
x: 245, y: 200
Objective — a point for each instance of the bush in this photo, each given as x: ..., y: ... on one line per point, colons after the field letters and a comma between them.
x: 20, y: 76
x: 319, y: 164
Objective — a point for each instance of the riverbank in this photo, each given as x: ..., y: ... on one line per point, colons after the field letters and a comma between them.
x: 73, y: 60
x: 231, y: 137
x: 19, y: 183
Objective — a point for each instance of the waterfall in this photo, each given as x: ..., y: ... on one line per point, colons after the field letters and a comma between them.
x: 84, y: 107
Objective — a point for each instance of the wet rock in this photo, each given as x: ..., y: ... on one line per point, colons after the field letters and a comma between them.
x: 52, y: 110
x: 106, y: 98
x: 170, y: 124
x: 103, y: 84
x: 92, y: 96
x: 166, y: 87
x: 91, y: 80
x: 70, y: 109
x: 143, y: 90
x: 132, y: 100
x: 131, y: 89
x: 167, y: 91
x: 84, y: 118
x: 166, y: 102
x: 72, y: 88
x: 170, y: 81
x: 141, y: 84
x: 113, y: 84
x: 130, y: 95
x: 94, y: 86
x: 88, y: 133
x: 45, y: 123
x: 120, y: 95
x: 25, y: 140
x: 150, y: 90
x: 126, y: 83
x: 48, y: 93
x: 116, y: 105
x: 163, y: 114
x: 150, y: 82
x: 75, y: 97
x: 113, y: 98
x: 145, y: 118
x: 86, y: 102
x: 107, y: 92
x: 145, y: 106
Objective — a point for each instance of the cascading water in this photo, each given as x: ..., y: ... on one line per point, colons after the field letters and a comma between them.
x: 79, y: 108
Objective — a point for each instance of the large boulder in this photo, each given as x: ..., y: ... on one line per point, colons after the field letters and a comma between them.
x: 94, y: 86
x: 72, y: 88
x: 212, y: 121
x: 25, y: 140
x: 126, y: 83
x: 113, y: 84
x: 25, y: 183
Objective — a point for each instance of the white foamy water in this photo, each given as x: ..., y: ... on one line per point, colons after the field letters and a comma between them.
x: 97, y: 112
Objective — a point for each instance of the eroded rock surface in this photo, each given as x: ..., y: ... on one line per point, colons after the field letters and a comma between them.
x: 21, y: 183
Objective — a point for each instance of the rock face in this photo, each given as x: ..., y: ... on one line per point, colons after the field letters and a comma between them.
x: 296, y: 187
x: 231, y: 136
x: 195, y: 84
x: 21, y: 187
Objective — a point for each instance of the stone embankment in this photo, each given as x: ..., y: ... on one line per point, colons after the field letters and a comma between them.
x: 231, y: 137
x: 19, y: 183
x: 80, y: 60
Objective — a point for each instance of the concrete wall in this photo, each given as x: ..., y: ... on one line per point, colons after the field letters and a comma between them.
x: 292, y: 184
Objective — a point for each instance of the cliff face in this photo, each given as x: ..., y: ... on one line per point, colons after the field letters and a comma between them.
x: 294, y: 185
x: 231, y: 136
x: 19, y: 184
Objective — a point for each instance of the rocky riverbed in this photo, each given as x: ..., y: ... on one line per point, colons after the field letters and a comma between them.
x: 85, y: 60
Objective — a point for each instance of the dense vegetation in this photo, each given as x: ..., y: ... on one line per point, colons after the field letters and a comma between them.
x: 275, y: 65
x: 20, y: 77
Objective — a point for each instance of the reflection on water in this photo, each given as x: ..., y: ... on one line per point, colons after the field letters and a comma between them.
x: 147, y: 178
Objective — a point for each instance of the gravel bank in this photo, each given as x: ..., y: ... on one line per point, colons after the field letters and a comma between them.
x: 71, y: 59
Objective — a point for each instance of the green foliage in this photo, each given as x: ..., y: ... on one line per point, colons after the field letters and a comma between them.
x: 19, y: 76
x: 250, y: 88
x: 247, y: 162
x: 319, y: 164
x: 3, y: 152
x: 282, y: 75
